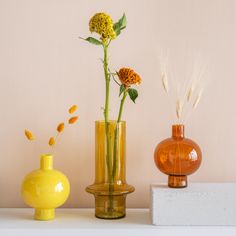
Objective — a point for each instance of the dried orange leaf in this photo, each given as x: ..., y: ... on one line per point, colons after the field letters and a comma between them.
x: 73, y: 109
x: 29, y: 135
x: 51, y: 141
x: 73, y: 119
x: 60, y: 127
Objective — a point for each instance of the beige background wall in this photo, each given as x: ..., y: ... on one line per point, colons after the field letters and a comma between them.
x: 44, y: 68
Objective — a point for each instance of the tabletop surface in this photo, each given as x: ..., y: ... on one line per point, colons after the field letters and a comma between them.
x: 70, y: 221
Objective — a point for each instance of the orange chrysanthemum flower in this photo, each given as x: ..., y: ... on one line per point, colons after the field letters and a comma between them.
x: 128, y: 77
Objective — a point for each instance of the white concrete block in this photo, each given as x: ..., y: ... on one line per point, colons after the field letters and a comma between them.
x: 198, y: 204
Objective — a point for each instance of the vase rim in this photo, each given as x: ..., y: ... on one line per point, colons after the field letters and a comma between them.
x: 47, y: 155
x: 46, y: 162
x: 178, y: 124
x: 110, y: 121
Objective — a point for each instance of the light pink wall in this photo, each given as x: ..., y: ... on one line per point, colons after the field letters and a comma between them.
x: 44, y: 68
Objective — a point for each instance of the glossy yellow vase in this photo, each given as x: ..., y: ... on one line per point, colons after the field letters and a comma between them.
x: 110, y: 187
x: 45, y: 189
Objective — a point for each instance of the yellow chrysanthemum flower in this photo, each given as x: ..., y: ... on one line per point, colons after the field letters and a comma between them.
x: 102, y: 24
x: 128, y: 77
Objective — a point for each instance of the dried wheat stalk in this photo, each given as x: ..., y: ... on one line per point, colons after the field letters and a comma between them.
x: 179, y: 108
x: 190, y: 93
x: 197, y: 100
x: 164, y: 80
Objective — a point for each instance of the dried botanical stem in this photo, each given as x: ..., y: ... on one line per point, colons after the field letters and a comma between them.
x: 29, y: 135
x: 185, y: 87
x: 164, y: 80
x: 51, y: 141
x: 179, y: 109
x: 190, y: 93
x: 197, y: 100
x: 72, y: 120
x: 73, y: 109
x: 60, y: 127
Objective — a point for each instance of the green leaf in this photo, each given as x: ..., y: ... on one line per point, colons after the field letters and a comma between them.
x: 133, y: 94
x: 120, y: 25
x: 122, y: 89
x: 93, y: 41
x: 116, y: 29
x: 123, y: 22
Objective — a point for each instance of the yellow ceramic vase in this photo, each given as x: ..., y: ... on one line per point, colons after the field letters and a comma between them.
x: 45, y: 189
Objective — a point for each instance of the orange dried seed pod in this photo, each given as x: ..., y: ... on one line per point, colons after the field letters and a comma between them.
x: 73, y: 119
x: 73, y: 109
x: 29, y: 135
x: 51, y: 141
x: 60, y: 127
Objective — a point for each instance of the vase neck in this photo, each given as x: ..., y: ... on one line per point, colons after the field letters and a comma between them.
x: 46, y: 162
x: 178, y: 131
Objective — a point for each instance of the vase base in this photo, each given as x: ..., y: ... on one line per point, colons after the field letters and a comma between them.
x: 177, y: 181
x: 111, y: 216
x: 110, y: 206
x: 44, y: 214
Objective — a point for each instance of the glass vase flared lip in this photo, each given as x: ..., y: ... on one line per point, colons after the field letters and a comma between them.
x: 99, y: 190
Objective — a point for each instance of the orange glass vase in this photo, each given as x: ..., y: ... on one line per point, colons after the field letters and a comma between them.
x: 177, y: 157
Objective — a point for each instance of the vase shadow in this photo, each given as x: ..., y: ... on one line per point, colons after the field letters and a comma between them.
x: 133, y: 217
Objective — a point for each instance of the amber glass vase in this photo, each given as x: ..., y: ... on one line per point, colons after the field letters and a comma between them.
x: 110, y: 187
x: 177, y: 157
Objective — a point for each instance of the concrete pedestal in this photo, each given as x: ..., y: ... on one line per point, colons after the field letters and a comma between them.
x: 198, y: 204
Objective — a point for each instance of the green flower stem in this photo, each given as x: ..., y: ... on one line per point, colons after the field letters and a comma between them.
x: 106, y: 116
x: 107, y: 78
x: 122, y: 105
x: 116, y: 134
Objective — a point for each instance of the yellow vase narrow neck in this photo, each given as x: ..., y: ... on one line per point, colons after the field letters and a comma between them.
x: 46, y: 162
